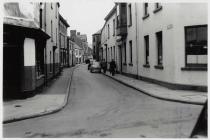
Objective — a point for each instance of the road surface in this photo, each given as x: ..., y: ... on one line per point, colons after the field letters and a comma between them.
x: 98, y: 106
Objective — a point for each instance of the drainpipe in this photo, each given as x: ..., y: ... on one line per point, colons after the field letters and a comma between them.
x: 137, y: 50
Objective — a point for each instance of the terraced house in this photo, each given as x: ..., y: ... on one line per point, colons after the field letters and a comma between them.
x: 31, y: 37
x: 108, y: 37
x: 163, y: 43
x: 51, y: 19
x: 64, y: 48
x: 96, y: 45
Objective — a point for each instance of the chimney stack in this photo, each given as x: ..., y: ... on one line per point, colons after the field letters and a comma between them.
x: 73, y: 32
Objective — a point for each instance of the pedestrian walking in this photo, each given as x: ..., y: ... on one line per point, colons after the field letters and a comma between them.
x: 112, y: 67
x: 104, y: 65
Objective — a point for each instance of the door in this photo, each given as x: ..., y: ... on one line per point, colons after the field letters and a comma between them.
x: 120, y: 58
x: 12, y: 67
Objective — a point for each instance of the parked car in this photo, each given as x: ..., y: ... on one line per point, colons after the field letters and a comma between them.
x: 95, y: 67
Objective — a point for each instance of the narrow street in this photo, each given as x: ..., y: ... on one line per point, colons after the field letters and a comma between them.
x: 98, y: 106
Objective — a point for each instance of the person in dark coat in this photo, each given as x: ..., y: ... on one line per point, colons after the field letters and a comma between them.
x: 104, y: 65
x: 112, y: 67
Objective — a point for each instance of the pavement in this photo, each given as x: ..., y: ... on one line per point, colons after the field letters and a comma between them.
x: 52, y: 99
x: 99, y: 106
x: 160, y: 92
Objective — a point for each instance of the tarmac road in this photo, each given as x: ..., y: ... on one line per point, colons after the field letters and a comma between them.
x: 101, y: 107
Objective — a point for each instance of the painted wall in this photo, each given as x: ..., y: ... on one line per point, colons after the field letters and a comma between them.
x: 52, y: 15
x: 197, y: 16
x: 168, y: 21
x: 131, y: 36
x: 111, y: 40
x: 27, y: 11
x: 29, y: 65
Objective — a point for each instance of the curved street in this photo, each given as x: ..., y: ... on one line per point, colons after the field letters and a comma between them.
x: 98, y: 106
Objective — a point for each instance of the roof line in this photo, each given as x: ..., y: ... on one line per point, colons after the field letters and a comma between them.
x: 63, y: 20
x: 110, y: 13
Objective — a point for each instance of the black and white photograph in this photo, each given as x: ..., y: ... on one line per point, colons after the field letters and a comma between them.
x: 104, y: 69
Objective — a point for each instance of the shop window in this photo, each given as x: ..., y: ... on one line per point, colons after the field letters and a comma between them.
x: 196, y: 46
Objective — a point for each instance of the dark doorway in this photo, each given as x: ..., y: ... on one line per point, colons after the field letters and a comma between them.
x: 106, y: 52
x: 120, y: 57
x: 12, y: 70
x: 54, y: 47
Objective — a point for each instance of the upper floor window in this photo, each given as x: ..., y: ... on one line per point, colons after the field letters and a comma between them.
x: 196, y: 46
x: 130, y: 14
x: 158, y: 7
x: 56, y: 8
x: 113, y: 27
x: 108, y: 31
x: 51, y: 5
x: 118, y: 21
x: 51, y: 31
x: 146, y: 14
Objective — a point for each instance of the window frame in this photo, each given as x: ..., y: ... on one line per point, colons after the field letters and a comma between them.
x: 125, y: 55
x: 51, y: 31
x: 193, y: 65
x: 111, y: 53
x: 113, y: 27
x: 114, y: 51
x: 130, y: 15
x: 108, y: 31
x: 146, y: 46
x: 159, y: 48
x: 131, y: 51
x: 56, y: 11
x: 145, y: 12
x: 158, y: 7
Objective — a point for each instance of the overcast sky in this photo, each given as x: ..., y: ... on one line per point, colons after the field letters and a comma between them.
x: 85, y: 16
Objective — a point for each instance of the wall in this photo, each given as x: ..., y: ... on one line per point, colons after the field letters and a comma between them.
x: 197, y: 16
x: 168, y: 21
x: 28, y: 12
x: 52, y: 14
x: 131, y: 35
x: 29, y: 65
